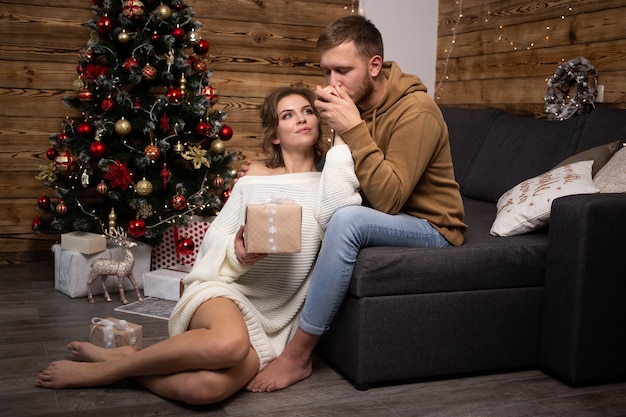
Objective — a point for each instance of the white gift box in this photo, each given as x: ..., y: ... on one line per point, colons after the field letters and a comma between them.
x: 164, y: 283
x: 83, y: 242
x: 72, y: 269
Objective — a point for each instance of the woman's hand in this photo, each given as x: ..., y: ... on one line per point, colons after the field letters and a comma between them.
x: 245, y: 258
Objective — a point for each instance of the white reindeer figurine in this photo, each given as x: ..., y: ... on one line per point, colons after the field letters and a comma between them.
x: 102, y: 268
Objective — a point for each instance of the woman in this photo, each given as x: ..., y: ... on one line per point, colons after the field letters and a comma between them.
x: 239, y: 309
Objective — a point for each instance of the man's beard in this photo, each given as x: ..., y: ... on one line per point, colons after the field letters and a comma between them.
x: 364, y: 91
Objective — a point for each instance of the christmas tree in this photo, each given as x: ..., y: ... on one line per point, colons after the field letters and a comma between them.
x: 148, y: 148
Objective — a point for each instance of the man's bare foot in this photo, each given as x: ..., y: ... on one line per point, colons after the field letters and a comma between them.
x: 88, y: 352
x: 71, y: 374
x: 281, y: 373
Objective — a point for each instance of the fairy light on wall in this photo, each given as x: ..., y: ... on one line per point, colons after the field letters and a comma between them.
x: 448, y: 51
x: 517, y: 46
x: 490, y: 17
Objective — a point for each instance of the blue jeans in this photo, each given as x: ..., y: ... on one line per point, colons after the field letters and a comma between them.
x: 350, y: 229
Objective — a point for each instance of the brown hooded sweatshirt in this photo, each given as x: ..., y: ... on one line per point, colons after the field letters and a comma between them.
x: 402, y: 156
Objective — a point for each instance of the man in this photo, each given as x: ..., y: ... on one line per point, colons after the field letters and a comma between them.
x: 399, y: 143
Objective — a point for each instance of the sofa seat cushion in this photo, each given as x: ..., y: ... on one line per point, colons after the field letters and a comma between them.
x: 483, y: 262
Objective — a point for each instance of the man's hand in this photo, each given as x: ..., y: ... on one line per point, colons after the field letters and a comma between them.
x: 245, y: 258
x: 253, y: 168
x: 337, y: 108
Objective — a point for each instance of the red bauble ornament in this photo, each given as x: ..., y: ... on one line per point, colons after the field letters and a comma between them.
x: 133, y: 9
x: 137, y: 227
x: 85, y: 130
x: 178, y: 33
x: 152, y: 152
x: 65, y: 162
x: 104, y: 25
x: 185, y: 246
x: 97, y: 150
x: 203, y: 129
x: 36, y: 224
x: 51, y: 154
x: 86, y: 95
x: 201, y: 47
x: 179, y: 202
x: 129, y: 63
x: 174, y: 95
x: 61, y: 207
x: 61, y: 137
x: 226, y: 195
x: 102, y: 188
x: 199, y: 66
x: 43, y: 202
x: 155, y: 38
x: 149, y: 72
x: 218, y: 182
x: 108, y: 105
x: 226, y: 132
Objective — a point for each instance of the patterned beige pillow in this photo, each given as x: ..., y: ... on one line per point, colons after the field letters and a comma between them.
x: 526, y: 206
x: 612, y: 177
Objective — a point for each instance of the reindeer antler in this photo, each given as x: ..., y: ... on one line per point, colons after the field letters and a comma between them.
x: 117, y: 235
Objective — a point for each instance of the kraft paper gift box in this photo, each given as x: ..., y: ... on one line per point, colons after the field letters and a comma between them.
x: 110, y: 333
x: 83, y: 242
x: 72, y: 269
x: 273, y: 228
x: 164, y: 283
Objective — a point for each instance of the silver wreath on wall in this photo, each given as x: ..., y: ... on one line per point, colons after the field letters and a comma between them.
x: 578, y: 72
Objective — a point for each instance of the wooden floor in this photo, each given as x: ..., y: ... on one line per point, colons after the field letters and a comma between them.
x: 37, y: 322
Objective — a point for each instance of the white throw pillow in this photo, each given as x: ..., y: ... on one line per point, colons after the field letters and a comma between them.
x: 612, y: 176
x: 526, y: 206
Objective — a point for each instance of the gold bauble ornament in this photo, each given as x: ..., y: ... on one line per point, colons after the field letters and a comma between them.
x: 123, y: 127
x: 164, y: 11
x: 218, y: 146
x: 144, y: 187
x: 123, y: 37
x: 78, y: 84
x: 179, y: 147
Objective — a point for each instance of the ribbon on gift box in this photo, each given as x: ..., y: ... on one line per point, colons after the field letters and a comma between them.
x: 109, y: 330
x: 269, y: 229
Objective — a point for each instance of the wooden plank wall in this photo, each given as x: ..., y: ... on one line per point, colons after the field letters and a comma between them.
x: 502, y: 52
x: 256, y: 45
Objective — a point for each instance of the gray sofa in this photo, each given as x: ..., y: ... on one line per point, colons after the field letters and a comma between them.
x: 552, y: 299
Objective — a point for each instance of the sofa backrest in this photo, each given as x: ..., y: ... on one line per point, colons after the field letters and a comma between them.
x: 493, y: 151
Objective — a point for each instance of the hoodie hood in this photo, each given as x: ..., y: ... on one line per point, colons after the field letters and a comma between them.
x: 399, y: 85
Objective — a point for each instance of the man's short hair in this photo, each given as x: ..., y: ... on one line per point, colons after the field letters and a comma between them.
x: 356, y: 28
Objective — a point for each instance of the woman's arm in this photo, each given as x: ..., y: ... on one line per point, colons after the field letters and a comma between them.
x: 339, y: 185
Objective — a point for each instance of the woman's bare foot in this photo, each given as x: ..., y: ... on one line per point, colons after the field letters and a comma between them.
x: 71, y: 374
x: 279, y: 374
x: 88, y: 352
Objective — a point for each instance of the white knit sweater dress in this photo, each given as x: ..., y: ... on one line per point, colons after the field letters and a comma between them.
x: 270, y: 294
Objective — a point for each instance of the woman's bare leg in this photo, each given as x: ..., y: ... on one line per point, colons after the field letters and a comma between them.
x: 217, y: 339
x: 88, y: 352
x: 202, y: 387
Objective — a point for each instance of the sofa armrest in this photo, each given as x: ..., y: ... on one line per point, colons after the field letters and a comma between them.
x: 583, y: 334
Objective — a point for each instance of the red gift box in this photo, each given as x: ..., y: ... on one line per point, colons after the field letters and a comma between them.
x: 168, y: 254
